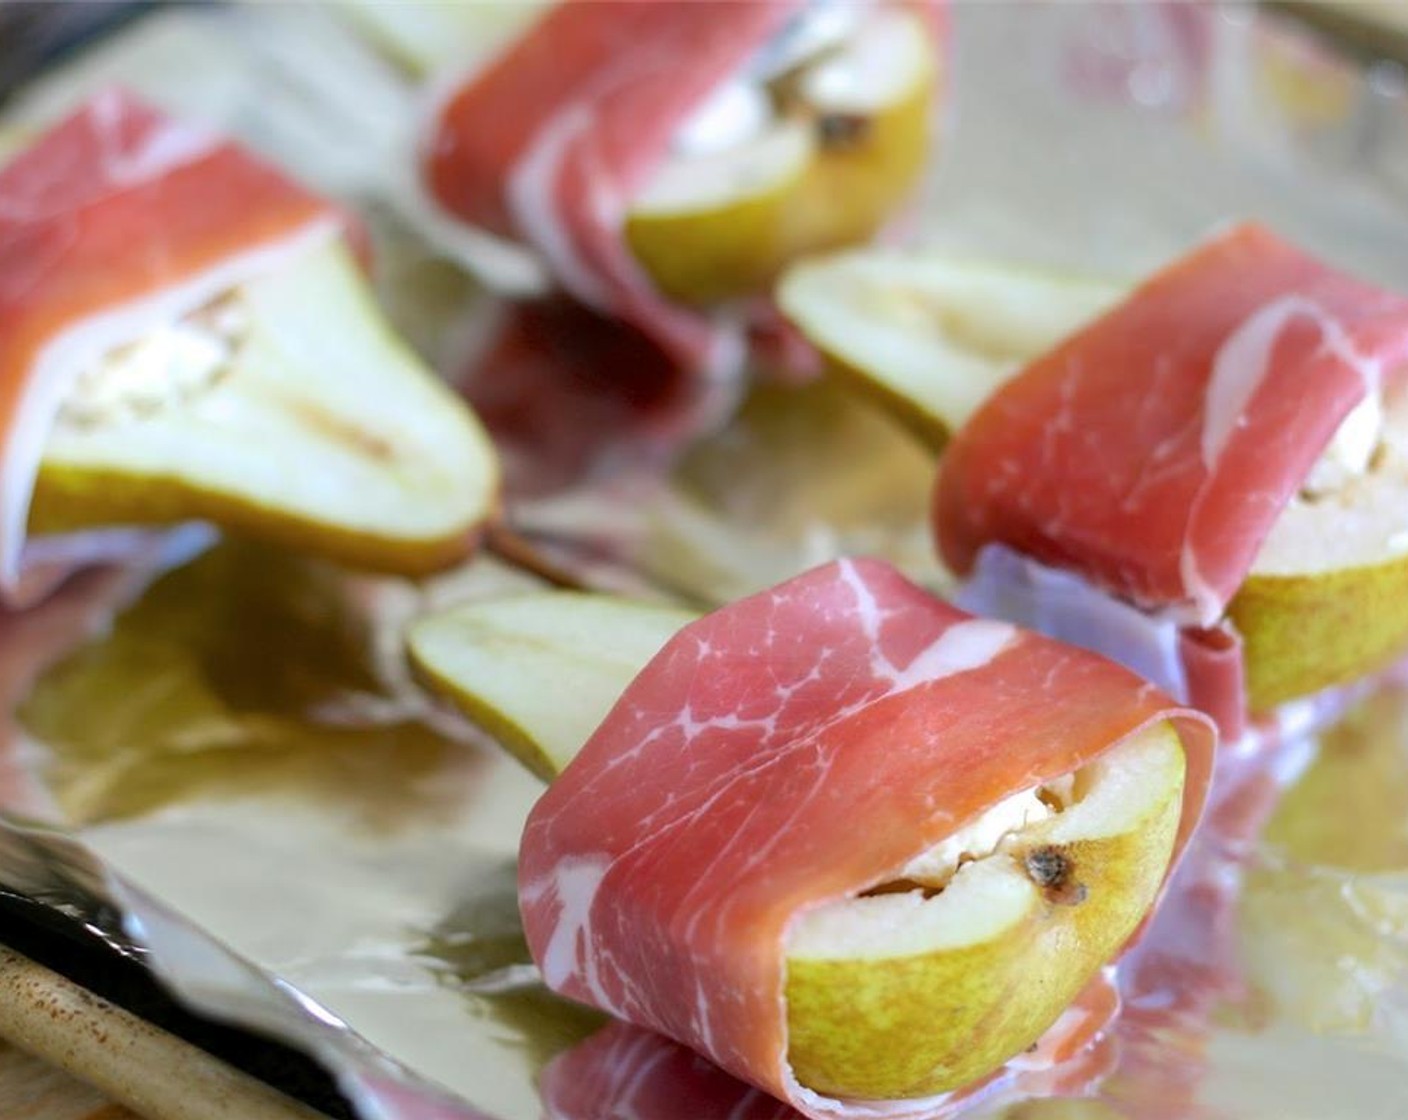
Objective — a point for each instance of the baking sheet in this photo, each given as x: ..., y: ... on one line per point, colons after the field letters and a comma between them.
x: 239, y: 744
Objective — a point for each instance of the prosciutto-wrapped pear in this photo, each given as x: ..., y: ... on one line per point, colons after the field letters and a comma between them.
x: 658, y: 155
x: 847, y: 841
x: 1225, y: 453
x: 186, y: 334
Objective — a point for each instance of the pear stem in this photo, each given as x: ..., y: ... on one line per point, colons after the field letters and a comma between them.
x: 517, y: 551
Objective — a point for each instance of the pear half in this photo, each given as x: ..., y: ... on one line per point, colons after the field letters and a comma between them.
x: 1326, y: 602
x: 932, y: 336
x: 285, y: 410
x: 494, y: 660
x: 842, y: 140
x: 930, y: 979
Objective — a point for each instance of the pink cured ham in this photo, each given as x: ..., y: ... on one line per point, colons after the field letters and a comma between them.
x: 726, y: 791
x: 550, y: 142
x: 1153, y: 451
x: 118, y: 221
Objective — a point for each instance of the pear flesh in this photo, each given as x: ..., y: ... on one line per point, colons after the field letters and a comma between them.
x: 932, y: 336
x: 493, y: 660
x: 779, y: 164
x: 932, y: 978
x: 284, y: 409
x: 1326, y: 602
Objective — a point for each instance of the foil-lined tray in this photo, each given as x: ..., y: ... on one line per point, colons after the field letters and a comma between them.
x: 224, y: 772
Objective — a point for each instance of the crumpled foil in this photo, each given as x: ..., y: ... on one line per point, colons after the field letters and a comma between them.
x: 226, y: 771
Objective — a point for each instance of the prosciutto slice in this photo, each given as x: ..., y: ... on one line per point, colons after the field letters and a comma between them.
x: 116, y: 222
x: 724, y: 794
x: 1152, y: 452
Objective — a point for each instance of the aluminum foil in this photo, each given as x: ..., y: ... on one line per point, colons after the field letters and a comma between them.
x: 238, y: 782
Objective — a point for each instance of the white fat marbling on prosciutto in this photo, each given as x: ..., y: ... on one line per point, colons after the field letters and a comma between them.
x: 63, y: 360
x: 1244, y: 359
x: 123, y: 162
x: 126, y: 164
x: 1005, y: 584
x: 961, y: 648
x: 1240, y: 366
x: 572, y: 887
x: 1204, y: 603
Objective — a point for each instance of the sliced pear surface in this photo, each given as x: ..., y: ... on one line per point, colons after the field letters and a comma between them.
x: 929, y: 980
x: 494, y: 660
x: 932, y: 335
x: 1327, y: 599
x: 842, y: 139
x: 285, y: 410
